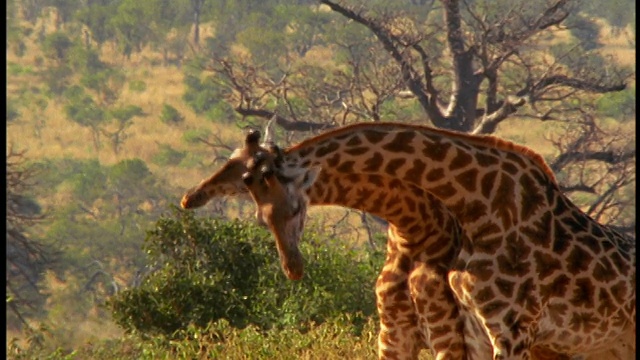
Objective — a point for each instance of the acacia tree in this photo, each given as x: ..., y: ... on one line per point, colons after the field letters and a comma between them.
x: 468, y: 66
x: 27, y: 258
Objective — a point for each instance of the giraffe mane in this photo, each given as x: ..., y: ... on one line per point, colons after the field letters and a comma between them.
x: 487, y: 140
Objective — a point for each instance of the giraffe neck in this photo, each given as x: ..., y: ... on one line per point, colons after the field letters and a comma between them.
x: 476, y: 177
x: 419, y: 220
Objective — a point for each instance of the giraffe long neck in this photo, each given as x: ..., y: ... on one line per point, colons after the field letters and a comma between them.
x: 475, y: 177
x: 420, y: 222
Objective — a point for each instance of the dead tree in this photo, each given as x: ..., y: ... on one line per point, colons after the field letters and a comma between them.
x: 469, y: 66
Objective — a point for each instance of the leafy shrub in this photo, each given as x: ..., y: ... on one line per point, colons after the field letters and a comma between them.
x: 334, y: 339
x: 138, y: 86
x: 191, y: 136
x: 167, y: 156
x: 56, y: 46
x: 170, y: 115
x: 12, y: 111
x: 213, y: 269
x: 620, y: 105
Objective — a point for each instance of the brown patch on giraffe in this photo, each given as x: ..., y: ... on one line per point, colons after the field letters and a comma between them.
x: 373, y: 163
x: 354, y: 141
x: 357, y: 151
x: 487, y: 245
x: 374, y: 136
x: 583, y: 293
x: 482, y: 269
x: 606, y: 305
x: 435, y: 174
x: 468, y: 179
x: 514, y: 321
x: 395, y: 183
x: 493, y: 308
x: 546, y: 265
x: 461, y: 160
x: 376, y: 180
x: 485, y: 230
x: 509, y: 167
x: 436, y: 151
x: 603, y: 271
x: 576, y: 222
x: 416, y: 171
x: 503, y: 203
x: 414, y: 229
x: 562, y: 208
x: 619, y: 292
x: 607, y: 245
x: 327, y: 149
x: 596, y: 231
x: 444, y: 191
x: 395, y: 212
x: 334, y: 160
x: 557, y: 313
x: 539, y: 233
x: 346, y: 167
x: 436, y: 246
x: 411, y: 204
x: 304, y: 152
x: 401, y: 143
x: 473, y: 211
x: 393, y: 165
x: 557, y: 287
x: 406, y: 220
x: 532, y: 200
x: 487, y: 183
x: 505, y: 287
x: 378, y: 203
x: 619, y: 263
x: 578, y: 260
x: 590, y: 242
x: 353, y: 178
x: 393, y: 201
x: 485, y: 160
x: 363, y: 196
x: 328, y: 197
x: 514, y: 260
x: 524, y: 295
x: 484, y: 295
x: 435, y: 315
x: 517, y: 158
x: 583, y: 321
x: 560, y: 238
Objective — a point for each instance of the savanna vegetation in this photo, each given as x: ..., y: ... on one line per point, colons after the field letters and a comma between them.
x: 116, y: 107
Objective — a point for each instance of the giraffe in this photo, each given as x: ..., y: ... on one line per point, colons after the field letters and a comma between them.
x: 537, y: 273
x: 419, y: 253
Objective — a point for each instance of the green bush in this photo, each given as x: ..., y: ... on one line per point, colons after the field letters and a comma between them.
x: 170, y: 115
x: 332, y: 340
x: 138, y: 86
x: 620, y: 105
x: 167, y: 156
x: 213, y: 269
x: 192, y: 136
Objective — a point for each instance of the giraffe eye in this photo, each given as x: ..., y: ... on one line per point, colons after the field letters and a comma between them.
x: 297, y: 209
x: 247, y: 178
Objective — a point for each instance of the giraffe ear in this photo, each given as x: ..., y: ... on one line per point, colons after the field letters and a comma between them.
x: 310, y: 177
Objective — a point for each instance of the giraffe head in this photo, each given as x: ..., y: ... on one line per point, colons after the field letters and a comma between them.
x: 227, y: 181
x: 282, y: 206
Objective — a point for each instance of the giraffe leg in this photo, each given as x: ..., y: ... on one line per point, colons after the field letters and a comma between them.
x: 437, y: 311
x: 399, y: 336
